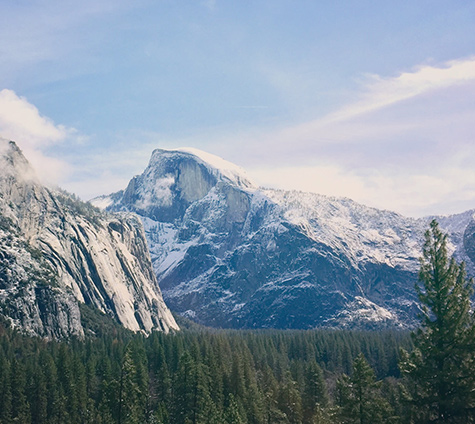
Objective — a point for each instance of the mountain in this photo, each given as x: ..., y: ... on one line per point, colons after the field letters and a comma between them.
x: 57, y: 252
x: 229, y: 254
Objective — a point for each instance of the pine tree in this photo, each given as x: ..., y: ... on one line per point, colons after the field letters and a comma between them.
x: 80, y: 390
x: 270, y: 389
x: 39, y: 397
x: 67, y: 403
x: 48, y: 367
x: 290, y: 402
x: 20, y: 405
x: 204, y: 409
x: 315, y: 394
x: 129, y: 409
x: 160, y: 381
x: 359, y: 396
x: 440, y: 370
x: 183, y: 389
x: 233, y: 414
x: 5, y: 390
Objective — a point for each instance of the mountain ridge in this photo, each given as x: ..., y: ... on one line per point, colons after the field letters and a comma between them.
x: 235, y: 255
x: 80, y: 254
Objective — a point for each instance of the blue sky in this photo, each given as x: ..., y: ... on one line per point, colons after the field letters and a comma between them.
x: 370, y: 100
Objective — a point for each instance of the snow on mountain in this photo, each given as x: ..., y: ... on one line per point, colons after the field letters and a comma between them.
x: 56, y: 251
x: 229, y: 254
x: 361, y: 232
x: 221, y: 168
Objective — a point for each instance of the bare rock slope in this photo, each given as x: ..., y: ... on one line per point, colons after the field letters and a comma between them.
x: 56, y: 251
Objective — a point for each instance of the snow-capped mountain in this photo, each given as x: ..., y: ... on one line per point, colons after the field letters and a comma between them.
x: 56, y: 251
x: 227, y: 253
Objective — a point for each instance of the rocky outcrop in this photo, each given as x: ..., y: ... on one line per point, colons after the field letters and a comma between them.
x: 57, y: 250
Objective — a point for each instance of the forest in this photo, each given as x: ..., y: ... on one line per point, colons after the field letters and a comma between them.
x: 206, y: 376
x: 197, y: 376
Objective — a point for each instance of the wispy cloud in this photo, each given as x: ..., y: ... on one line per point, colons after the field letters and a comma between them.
x: 405, y: 143
x: 21, y: 121
x: 210, y: 4
x: 379, y: 92
x: 104, y: 171
x: 450, y: 190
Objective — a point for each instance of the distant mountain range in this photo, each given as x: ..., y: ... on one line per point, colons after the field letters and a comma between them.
x: 224, y: 252
x: 229, y: 254
x: 57, y: 252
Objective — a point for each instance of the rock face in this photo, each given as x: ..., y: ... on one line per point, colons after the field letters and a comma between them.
x: 56, y: 251
x: 229, y: 254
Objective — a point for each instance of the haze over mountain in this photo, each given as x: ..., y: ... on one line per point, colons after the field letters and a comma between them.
x: 229, y: 254
x: 57, y: 252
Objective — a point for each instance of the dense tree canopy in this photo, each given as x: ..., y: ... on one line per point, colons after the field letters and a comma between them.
x: 189, y: 377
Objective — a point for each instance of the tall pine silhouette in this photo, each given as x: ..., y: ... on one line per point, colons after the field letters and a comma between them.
x: 440, y: 370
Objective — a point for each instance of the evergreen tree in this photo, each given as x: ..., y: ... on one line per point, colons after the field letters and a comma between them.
x: 192, y: 402
x: 270, y: 390
x: 5, y: 391
x: 237, y: 383
x: 315, y: 394
x: 183, y: 390
x: 160, y: 381
x: 107, y: 400
x: 80, y: 390
x: 39, y: 398
x: 233, y: 413
x: 20, y: 405
x: 205, y: 410
x: 67, y: 407
x: 440, y: 370
x: 290, y: 402
x: 359, y: 396
x: 48, y: 367
x: 129, y: 409
x: 264, y: 377
x: 161, y: 414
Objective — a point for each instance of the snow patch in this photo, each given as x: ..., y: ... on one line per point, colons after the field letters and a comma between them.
x: 189, y: 314
x: 159, y: 195
x: 362, y: 310
x: 227, y: 169
x: 102, y: 202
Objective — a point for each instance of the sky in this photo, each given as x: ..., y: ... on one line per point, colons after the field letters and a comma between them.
x: 371, y: 100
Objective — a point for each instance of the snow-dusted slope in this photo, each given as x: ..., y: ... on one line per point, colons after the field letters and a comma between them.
x: 56, y: 251
x: 362, y: 233
x: 229, y: 254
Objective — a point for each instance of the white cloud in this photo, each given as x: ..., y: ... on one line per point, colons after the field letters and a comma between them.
x: 380, y: 92
x: 99, y: 171
x: 21, y: 122
x: 376, y: 95
x: 328, y: 180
